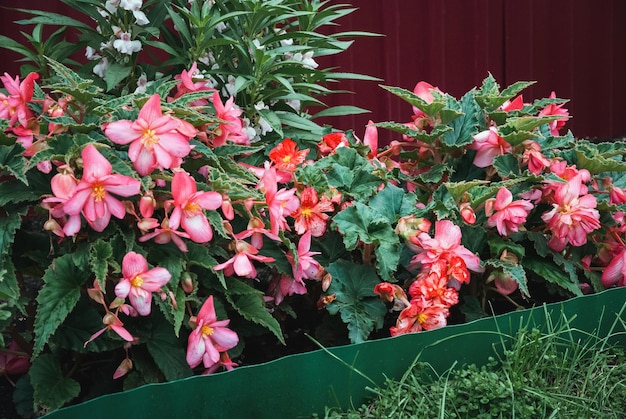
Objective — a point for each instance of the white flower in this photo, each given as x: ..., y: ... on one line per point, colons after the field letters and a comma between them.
x: 294, y: 103
x: 230, y: 86
x: 257, y: 44
x: 131, y: 4
x: 125, y: 45
x: 263, y: 125
x: 91, y: 54
x: 111, y: 6
x: 306, y: 59
x: 221, y: 27
x: 140, y: 18
x: 142, y: 84
x: 100, y: 68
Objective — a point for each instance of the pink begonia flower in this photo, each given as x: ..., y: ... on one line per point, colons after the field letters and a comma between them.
x: 283, y: 285
x: 281, y: 202
x: 488, y: 144
x: 467, y: 213
x: 424, y: 91
x: 445, y: 245
x: 572, y: 216
x: 307, y: 267
x: 224, y: 361
x: 166, y: 234
x: 14, y: 107
x: 156, y: 140
x: 534, y: 158
x: 232, y: 127
x: 554, y: 109
x: 113, y: 323
x: 616, y: 195
x: 93, y: 195
x: 138, y: 282
x: 331, y: 142
x: 63, y: 185
x: 392, y: 293
x: 189, y: 206
x: 256, y: 230
x: 209, y: 338
x: 509, y: 214
x: 615, y: 271
x: 188, y: 85
x: 241, y: 263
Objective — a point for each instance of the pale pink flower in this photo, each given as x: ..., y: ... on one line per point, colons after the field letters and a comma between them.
x: 509, y: 214
x: 166, y: 234
x: 283, y: 285
x: 241, y: 263
x: 421, y: 315
x: 209, y: 338
x: 189, y: 206
x: 424, y: 91
x: 488, y: 144
x: 138, y: 282
x: 112, y: 322
x: 188, y: 85
x: 93, y: 195
x: 572, y: 215
x: 534, y: 158
x: 306, y: 267
x: 156, y: 140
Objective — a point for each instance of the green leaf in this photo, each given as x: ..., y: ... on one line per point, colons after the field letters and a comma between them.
x: 115, y: 74
x: 57, y: 298
x: 388, y: 202
x: 430, y: 109
x: 552, y: 273
x: 52, y: 389
x: 360, y: 308
x: 167, y: 350
x: 272, y: 119
x: 387, y: 259
x: 340, y: 111
x: 506, y: 165
x: 100, y: 253
x: 361, y: 223
x: 9, y: 287
x: 11, y: 160
x: 466, y: 125
x: 351, y: 173
x: 472, y: 309
x: 250, y: 305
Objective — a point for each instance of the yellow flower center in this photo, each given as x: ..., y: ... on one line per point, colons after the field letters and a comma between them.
x: 98, y: 193
x: 149, y: 138
x: 192, y: 208
x: 421, y: 318
x: 306, y: 212
x: 206, y: 330
x: 286, y: 159
x: 137, y: 281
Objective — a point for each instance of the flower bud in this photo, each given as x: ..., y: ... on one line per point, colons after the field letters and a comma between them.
x: 186, y: 283
x: 467, y: 213
x: 325, y: 300
x: 123, y: 368
x: 146, y: 205
x: 410, y: 226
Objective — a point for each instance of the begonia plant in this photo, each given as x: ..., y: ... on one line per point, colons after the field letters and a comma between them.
x: 149, y: 234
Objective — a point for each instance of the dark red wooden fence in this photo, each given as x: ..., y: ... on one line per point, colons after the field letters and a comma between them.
x: 574, y: 47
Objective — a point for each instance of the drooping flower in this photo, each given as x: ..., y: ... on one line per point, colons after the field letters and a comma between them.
x: 189, y: 206
x: 280, y: 203
x: 156, y: 140
x: 209, y: 338
x: 166, y: 234
x: 509, y: 214
x: 188, y: 85
x: 241, y: 263
x: 283, y: 285
x: 533, y: 157
x: 488, y: 144
x: 558, y: 110
x: 286, y: 156
x: 615, y: 271
x: 310, y: 215
x: 572, y: 216
x: 112, y: 322
x: 306, y: 266
x: 93, y: 196
x: 138, y: 282
x: 231, y: 129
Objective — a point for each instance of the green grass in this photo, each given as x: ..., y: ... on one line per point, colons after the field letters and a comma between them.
x: 559, y: 372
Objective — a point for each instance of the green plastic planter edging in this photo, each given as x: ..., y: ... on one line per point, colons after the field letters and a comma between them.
x: 303, y: 384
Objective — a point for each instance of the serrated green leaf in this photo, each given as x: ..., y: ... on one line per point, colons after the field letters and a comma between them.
x: 351, y: 173
x: 78, y: 327
x: 507, y: 165
x: 360, y: 308
x: 11, y: 160
x: 115, y: 74
x: 52, y: 389
x: 466, y: 125
x: 388, y: 202
x: 250, y: 305
x: 100, y: 252
x: 361, y: 223
x: 9, y: 287
x: 167, y: 350
x: 430, y: 109
x: 552, y: 273
x: 387, y: 259
x: 57, y: 298
x: 427, y: 137
x: 458, y: 189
